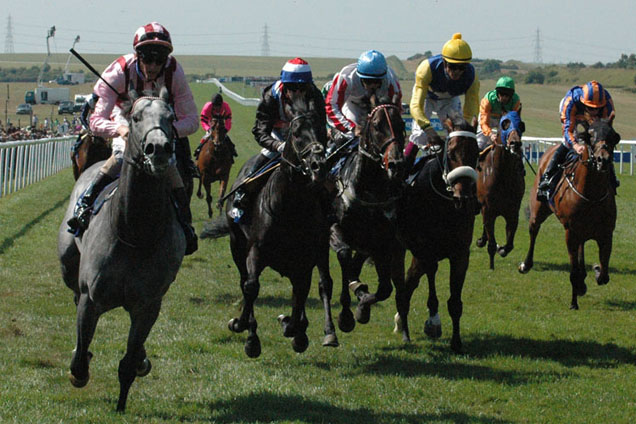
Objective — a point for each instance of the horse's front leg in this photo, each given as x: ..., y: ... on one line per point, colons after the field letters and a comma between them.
x: 489, y: 228
x: 250, y: 287
x: 512, y: 222
x: 601, y: 271
x: 404, y: 290
x: 86, y: 323
x: 325, y: 289
x: 135, y: 362
x: 538, y: 213
x: 346, y: 323
x: 296, y: 325
x: 458, y: 268
x: 208, y: 197
x: 383, y: 269
x: 222, y: 188
x: 577, y: 267
x: 433, y: 324
x: 483, y: 239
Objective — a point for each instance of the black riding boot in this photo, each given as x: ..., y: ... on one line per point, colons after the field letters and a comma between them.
x: 241, y: 196
x: 184, y: 216
x: 84, y: 206
x: 543, y: 190
x: 198, y: 150
x: 232, y: 146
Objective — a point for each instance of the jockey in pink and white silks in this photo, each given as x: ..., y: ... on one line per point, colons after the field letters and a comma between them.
x: 347, y: 101
x: 149, y: 68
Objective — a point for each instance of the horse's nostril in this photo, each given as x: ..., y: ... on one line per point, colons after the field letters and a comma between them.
x: 150, y: 149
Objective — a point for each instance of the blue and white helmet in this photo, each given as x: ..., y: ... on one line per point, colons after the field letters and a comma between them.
x: 296, y: 70
x: 371, y: 64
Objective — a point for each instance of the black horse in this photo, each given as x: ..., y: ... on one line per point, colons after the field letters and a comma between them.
x: 285, y: 228
x: 369, y: 183
x: 435, y: 221
x: 133, y: 249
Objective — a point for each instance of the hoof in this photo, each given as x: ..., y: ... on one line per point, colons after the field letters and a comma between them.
x: 481, y: 242
x: 523, y: 268
x: 330, y: 340
x: 600, y: 280
x: 300, y: 343
x: 456, y: 346
x: 288, y: 331
x: 346, y: 323
x: 354, y: 286
x: 143, y: 369
x: 253, y: 346
x: 581, y: 290
x: 363, y: 313
x: 78, y: 382
x: 574, y: 306
x: 434, y: 331
x: 503, y: 251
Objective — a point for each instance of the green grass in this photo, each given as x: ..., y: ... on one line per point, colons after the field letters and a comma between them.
x: 528, y: 357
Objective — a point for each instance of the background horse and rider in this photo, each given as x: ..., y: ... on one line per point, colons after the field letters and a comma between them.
x: 501, y: 185
x: 215, y: 162
x: 88, y: 150
x: 583, y: 201
x: 435, y: 221
x: 133, y: 248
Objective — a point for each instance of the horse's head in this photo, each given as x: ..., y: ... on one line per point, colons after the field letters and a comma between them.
x: 511, y: 128
x: 150, y: 142
x: 382, y: 139
x: 217, y: 128
x: 305, y: 145
x: 460, y: 159
x: 601, y: 138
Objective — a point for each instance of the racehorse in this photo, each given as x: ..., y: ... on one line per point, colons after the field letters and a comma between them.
x: 501, y: 185
x: 584, y: 203
x: 88, y: 150
x: 215, y: 162
x: 369, y: 183
x: 435, y: 221
x: 285, y: 228
x: 133, y: 248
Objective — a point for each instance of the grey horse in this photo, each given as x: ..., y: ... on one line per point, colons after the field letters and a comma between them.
x: 133, y: 248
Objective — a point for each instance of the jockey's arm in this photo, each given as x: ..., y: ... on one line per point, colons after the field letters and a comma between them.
x: 185, y: 109
x: 266, y: 115
x: 423, y: 78
x: 335, y: 100
x: 206, y: 114
x: 485, y: 108
x: 101, y: 123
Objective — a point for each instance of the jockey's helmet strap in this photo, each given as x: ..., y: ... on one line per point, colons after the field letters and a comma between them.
x: 462, y: 134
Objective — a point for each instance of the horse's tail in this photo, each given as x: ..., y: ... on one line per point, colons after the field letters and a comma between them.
x: 216, y: 229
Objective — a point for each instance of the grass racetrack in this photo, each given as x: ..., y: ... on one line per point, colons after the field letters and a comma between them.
x: 528, y: 358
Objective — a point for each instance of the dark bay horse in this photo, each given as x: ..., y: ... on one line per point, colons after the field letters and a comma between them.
x: 369, y: 184
x: 583, y: 202
x: 215, y: 162
x: 133, y: 248
x: 285, y: 228
x: 435, y: 221
x: 88, y: 149
x: 501, y: 185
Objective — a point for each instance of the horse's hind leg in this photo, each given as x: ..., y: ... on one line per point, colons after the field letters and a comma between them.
x: 512, y: 222
x: 489, y: 229
x: 538, y: 213
x: 601, y: 271
x: 296, y: 325
x: 404, y: 288
x: 208, y: 197
x: 433, y: 324
x: 141, y: 322
x: 86, y: 322
x: 222, y: 188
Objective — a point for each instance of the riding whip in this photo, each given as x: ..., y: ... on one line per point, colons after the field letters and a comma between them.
x: 90, y: 67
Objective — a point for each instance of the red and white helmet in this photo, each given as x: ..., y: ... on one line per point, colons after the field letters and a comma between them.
x: 152, y: 33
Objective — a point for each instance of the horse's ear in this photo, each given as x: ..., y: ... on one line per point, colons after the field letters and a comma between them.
x: 373, y: 100
x: 448, y: 124
x: 396, y: 100
x: 163, y: 93
x: 133, y: 95
x: 610, y: 118
x: 522, y: 126
x: 473, y: 122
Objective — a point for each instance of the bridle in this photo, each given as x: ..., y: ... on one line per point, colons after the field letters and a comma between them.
x: 301, y: 154
x: 380, y: 154
x: 450, y: 177
x: 140, y: 159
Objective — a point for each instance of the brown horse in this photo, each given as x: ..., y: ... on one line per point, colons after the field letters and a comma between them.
x: 88, y: 149
x: 215, y: 162
x: 435, y: 221
x: 501, y: 185
x: 583, y: 202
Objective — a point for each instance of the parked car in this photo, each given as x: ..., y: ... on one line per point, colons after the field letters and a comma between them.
x: 24, y: 109
x: 65, y: 107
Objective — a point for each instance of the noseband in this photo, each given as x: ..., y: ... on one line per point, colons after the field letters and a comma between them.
x: 461, y: 171
x: 380, y: 154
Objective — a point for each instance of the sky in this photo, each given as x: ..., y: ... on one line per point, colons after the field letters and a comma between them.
x: 554, y: 31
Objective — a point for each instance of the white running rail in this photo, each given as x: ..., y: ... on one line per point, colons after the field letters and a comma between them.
x: 26, y: 162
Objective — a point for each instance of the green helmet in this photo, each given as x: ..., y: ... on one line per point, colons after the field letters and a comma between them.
x: 505, y: 82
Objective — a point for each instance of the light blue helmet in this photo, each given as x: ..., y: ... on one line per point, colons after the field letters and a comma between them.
x: 371, y: 64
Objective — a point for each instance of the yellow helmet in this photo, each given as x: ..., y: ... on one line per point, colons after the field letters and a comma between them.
x: 457, y: 50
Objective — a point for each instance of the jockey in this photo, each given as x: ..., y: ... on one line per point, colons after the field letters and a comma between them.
x: 493, y: 106
x: 270, y: 128
x: 439, y: 81
x: 147, y: 69
x: 580, y: 104
x: 216, y: 107
x: 347, y: 100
